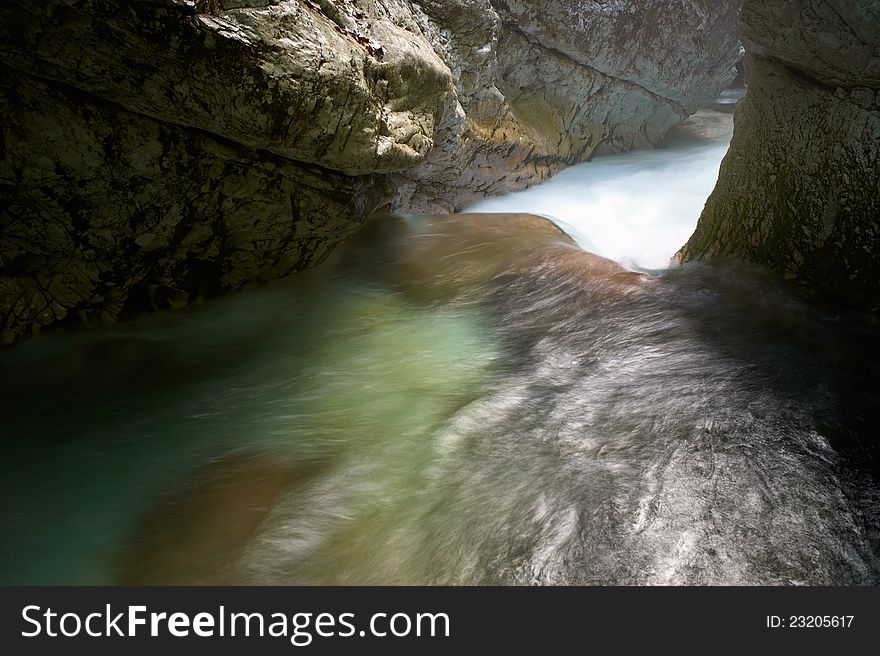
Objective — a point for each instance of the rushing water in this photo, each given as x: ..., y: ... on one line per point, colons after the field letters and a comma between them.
x: 466, y: 399
x: 636, y: 208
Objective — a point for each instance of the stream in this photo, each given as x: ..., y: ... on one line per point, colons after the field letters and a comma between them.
x: 472, y: 399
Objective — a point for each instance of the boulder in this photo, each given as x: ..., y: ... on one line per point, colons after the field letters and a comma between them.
x: 799, y: 190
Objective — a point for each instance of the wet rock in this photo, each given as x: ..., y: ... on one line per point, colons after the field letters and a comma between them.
x: 195, y: 535
x: 542, y: 85
x: 156, y: 152
x: 799, y: 190
x: 442, y: 258
x: 111, y: 213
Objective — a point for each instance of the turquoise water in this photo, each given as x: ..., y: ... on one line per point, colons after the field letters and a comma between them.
x: 465, y: 399
x: 100, y: 424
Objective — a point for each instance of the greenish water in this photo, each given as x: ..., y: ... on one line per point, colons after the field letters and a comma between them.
x: 459, y: 400
x: 100, y: 424
x: 467, y: 399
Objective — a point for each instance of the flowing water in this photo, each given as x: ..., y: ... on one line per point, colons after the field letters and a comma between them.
x: 635, y: 208
x: 466, y: 399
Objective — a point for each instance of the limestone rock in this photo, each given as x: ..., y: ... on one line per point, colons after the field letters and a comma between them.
x: 155, y: 152
x: 542, y: 85
x: 281, y: 77
x: 799, y: 190
x: 108, y: 213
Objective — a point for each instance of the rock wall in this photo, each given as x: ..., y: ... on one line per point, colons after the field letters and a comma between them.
x: 799, y: 190
x: 107, y: 212
x: 158, y: 151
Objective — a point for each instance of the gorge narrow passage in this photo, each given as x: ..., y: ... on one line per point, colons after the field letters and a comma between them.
x: 635, y: 208
x: 462, y: 399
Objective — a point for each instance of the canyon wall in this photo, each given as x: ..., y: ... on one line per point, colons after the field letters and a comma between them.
x: 157, y: 152
x: 799, y: 190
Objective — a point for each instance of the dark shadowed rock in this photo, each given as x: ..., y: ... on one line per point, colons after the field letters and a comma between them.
x: 156, y: 152
x: 799, y: 190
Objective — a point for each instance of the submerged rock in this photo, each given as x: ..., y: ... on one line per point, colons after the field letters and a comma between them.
x: 155, y: 152
x: 547, y: 419
x: 799, y: 190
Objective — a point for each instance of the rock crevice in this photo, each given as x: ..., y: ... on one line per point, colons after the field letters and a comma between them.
x: 157, y: 152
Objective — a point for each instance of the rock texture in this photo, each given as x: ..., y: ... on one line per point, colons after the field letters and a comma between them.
x: 108, y: 212
x: 799, y: 190
x: 158, y: 151
x: 542, y: 85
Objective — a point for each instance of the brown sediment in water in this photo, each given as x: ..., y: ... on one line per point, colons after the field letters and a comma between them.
x: 196, y: 534
x: 557, y: 419
x: 433, y: 259
x: 199, y: 532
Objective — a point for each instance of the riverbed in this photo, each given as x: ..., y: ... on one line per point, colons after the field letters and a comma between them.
x: 475, y: 399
